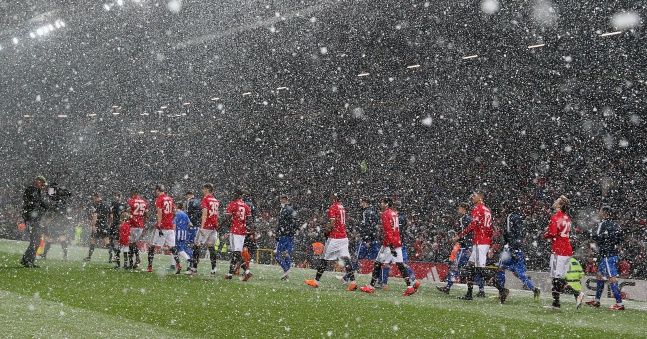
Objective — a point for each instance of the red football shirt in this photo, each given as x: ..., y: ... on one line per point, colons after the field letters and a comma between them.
x: 124, y: 234
x: 212, y: 205
x: 165, y: 203
x: 138, y: 207
x: 391, y: 226
x: 338, y: 213
x: 481, y: 225
x: 559, y: 231
x: 239, y: 212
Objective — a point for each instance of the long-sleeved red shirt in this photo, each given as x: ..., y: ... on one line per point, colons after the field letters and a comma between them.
x: 481, y: 225
x: 391, y: 227
x: 559, y: 231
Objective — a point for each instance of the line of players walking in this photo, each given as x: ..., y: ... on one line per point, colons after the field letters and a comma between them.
x: 176, y: 229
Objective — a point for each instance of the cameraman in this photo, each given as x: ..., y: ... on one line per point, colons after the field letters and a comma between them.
x: 33, y: 209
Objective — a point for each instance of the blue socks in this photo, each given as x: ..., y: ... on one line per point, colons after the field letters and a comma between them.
x: 616, y: 292
x: 599, y: 289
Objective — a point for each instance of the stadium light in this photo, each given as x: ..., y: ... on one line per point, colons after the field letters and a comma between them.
x: 363, y: 74
x: 470, y: 56
x: 62, y: 116
x: 536, y: 46
x: 610, y: 33
x: 413, y: 66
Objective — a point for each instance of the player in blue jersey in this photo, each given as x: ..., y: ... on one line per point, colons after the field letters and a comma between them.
x: 182, y: 226
x: 607, y: 237
x: 512, y: 257
x: 285, y: 231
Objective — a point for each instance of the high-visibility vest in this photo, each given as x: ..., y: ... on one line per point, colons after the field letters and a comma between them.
x: 574, y: 274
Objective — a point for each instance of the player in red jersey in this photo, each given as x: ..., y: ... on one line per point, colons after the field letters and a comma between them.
x: 336, y: 247
x: 208, y: 232
x: 138, y: 213
x: 124, y: 242
x: 238, y: 211
x: 391, y: 251
x: 481, y: 226
x: 164, y: 228
x: 559, y: 230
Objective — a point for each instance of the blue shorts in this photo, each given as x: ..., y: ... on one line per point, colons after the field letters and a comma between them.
x: 462, y: 257
x: 369, y: 251
x: 608, y: 267
x: 182, y: 246
x: 190, y: 237
x: 405, y: 254
x: 285, y: 244
x: 513, y: 260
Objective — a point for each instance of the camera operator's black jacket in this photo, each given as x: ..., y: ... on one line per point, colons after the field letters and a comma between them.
x: 33, y: 204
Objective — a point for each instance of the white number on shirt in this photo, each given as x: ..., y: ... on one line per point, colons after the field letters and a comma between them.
x: 487, y: 219
x: 342, y: 216
x: 565, y: 226
x: 396, y: 222
x: 168, y: 207
x: 241, y: 213
x: 140, y: 208
x: 213, y: 208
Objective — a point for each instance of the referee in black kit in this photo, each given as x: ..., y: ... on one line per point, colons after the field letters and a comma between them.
x: 33, y: 209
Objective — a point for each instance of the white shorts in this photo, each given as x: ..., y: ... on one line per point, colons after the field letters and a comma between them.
x: 385, y: 256
x: 559, y: 265
x: 336, y: 249
x: 206, y: 237
x: 236, y: 242
x: 125, y: 249
x: 479, y: 255
x: 166, y: 239
x: 135, y: 234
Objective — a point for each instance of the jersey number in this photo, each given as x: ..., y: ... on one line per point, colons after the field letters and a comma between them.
x: 168, y: 207
x: 566, y: 229
x: 139, y: 208
x: 241, y: 213
x: 396, y: 222
x: 487, y: 219
x: 342, y: 216
x: 213, y: 208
